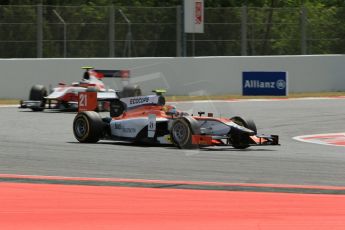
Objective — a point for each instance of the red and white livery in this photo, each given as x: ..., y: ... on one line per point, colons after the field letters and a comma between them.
x: 65, y: 97
x: 147, y: 119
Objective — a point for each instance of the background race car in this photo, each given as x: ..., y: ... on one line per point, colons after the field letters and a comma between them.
x: 147, y: 119
x: 65, y: 97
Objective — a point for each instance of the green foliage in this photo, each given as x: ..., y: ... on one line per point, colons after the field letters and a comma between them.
x: 273, y: 27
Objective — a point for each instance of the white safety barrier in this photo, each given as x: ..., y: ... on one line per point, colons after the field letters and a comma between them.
x: 180, y: 75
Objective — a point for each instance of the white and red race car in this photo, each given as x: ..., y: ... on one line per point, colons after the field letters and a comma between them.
x: 147, y: 119
x: 65, y: 97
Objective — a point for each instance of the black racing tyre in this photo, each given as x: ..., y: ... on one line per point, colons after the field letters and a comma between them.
x: 117, y: 108
x: 131, y: 91
x: 88, y: 127
x: 181, y: 134
x: 37, y: 93
x: 248, y: 123
x: 242, y: 140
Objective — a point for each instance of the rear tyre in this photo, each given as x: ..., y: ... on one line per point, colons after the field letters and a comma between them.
x: 242, y: 140
x: 38, y: 93
x: 117, y: 108
x: 181, y: 134
x: 88, y: 127
x: 131, y: 91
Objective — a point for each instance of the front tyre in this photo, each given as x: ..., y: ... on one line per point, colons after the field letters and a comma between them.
x: 88, y: 127
x: 242, y: 140
x: 38, y: 93
x: 181, y: 134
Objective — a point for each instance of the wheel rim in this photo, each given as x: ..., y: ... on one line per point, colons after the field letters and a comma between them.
x: 180, y: 132
x: 81, y: 127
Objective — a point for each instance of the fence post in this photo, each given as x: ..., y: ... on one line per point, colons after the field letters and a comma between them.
x: 179, y: 31
x: 64, y: 32
x: 39, y: 31
x: 183, y: 34
x: 244, y: 31
x: 304, y: 30
x: 181, y: 39
x: 111, y: 31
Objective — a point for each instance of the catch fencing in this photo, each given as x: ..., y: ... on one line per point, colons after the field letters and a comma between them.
x: 109, y: 31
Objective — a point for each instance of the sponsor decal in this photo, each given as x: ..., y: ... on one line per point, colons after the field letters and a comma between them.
x: 264, y: 83
x: 259, y: 84
x: 281, y: 84
x: 123, y: 129
x: 139, y: 100
x: 151, y: 126
x: 198, y: 12
x: 128, y: 130
x: 193, y: 16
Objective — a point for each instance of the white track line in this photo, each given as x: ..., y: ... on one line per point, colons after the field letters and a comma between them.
x: 238, y: 100
x: 9, y: 106
x: 262, y: 100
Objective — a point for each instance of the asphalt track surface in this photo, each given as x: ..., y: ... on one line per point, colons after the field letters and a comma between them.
x: 42, y: 143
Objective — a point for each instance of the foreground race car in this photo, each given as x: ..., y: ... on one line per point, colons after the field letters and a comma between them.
x: 146, y: 119
x: 65, y: 97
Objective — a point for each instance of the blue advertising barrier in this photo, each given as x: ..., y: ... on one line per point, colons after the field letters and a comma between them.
x: 264, y: 83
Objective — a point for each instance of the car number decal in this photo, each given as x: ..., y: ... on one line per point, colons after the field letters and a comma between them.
x: 151, y: 127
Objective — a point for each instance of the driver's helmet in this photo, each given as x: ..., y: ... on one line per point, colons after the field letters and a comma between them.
x: 170, y: 109
x: 86, y: 75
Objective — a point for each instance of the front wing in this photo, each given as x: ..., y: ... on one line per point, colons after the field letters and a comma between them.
x: 207, y: 140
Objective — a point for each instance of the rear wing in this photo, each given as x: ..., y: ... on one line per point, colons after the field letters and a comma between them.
x: 113, y: 73
x: 101, y: 73
x: 132, y: 102
x: 88, y: 101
